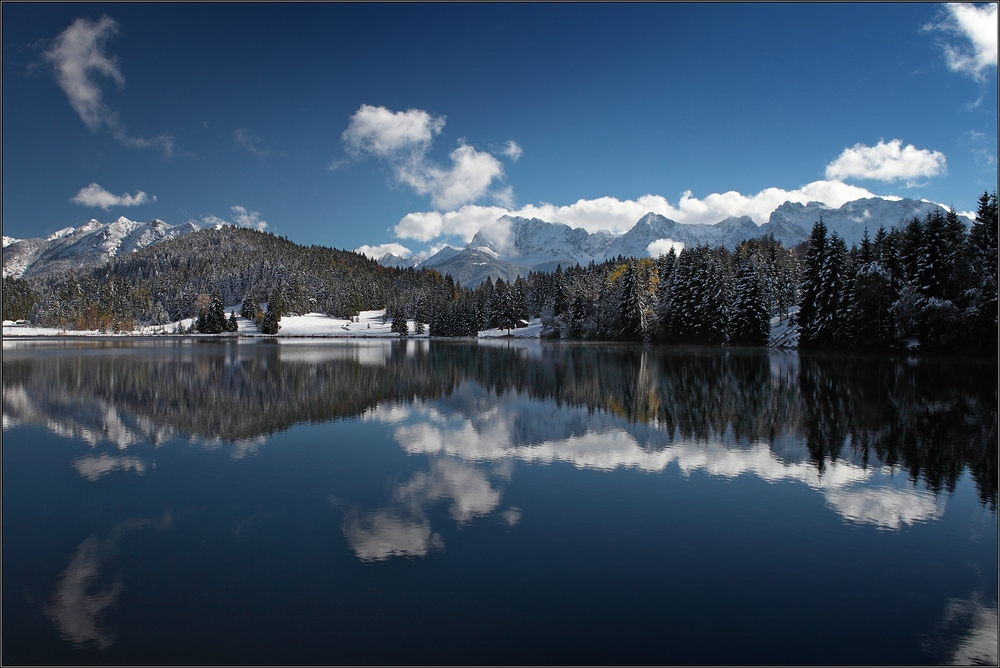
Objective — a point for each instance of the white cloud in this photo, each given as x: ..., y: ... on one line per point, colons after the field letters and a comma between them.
x: 512, y: 150
x: 241, y: 217
x: 469, y: 178
x: 977, y: 27
x: 250, y: 142
x: 886, y: 162
x: 375, y: 252
x: 663, y: 246
x: 245, y: 218
x: 77, y: 55
x: 618, y: 216
x: 95, y: 195
x: 983, y: 157
x: 465, y: 222
x: 403, y: 138
x: 384, y: 133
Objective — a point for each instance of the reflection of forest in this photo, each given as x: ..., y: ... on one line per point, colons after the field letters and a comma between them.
x: 930, y: 418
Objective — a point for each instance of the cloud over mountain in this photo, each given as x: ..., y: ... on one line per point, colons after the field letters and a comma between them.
x: 618, y: 216
x: 402, y: 139
x: 887, y: 162
x: 95, y: 195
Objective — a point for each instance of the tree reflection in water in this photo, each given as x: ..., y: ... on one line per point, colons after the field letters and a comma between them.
x: 931, y: 418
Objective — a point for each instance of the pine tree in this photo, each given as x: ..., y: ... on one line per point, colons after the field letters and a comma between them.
x: 831, y: 301
x: 270, y: 322
x: 751, y: 322
x: 399, y: 324
x: 632, y: 305
x: 981, y: 314
x: 808, y: 317
x: 249, y: 307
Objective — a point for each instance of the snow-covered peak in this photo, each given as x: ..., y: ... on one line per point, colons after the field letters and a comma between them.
x: 64, y: 232
x: 7, y: 241
x: 486, y: 249
x: 92, y: 244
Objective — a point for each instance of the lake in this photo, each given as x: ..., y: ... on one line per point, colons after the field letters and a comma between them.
x: 180, y: 501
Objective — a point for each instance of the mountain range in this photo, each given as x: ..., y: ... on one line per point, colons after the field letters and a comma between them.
x: 89, y: 245
x: 507, y: 248
x: 514, y: 246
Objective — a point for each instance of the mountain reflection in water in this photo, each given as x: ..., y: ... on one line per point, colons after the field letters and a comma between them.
x: 826, y: 421
x: 516, y: 469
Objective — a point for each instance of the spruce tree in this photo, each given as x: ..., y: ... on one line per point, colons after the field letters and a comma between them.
x: 982, y: 241
x: 399, y: 325
x: 751, y: 322
x: 808, y: 317
x: 632, y: 305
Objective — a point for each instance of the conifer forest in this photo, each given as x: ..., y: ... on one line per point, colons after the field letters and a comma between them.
x: 930, y: 285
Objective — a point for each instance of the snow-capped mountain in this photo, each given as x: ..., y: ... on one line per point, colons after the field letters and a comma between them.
x: 532, y: 242
x: 521, y: 245
x: 851, y: 219
x: 654, y: 227
x: 90, y: 245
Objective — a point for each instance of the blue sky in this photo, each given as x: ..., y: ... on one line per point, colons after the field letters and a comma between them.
x: 406, y: 126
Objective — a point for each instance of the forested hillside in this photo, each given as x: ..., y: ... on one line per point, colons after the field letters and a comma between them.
x: 931, y: 285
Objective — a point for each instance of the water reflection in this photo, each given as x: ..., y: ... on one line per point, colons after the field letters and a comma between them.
x: 403, y: 529
x: 482, y: 431
x: 967, y: 634
x: 827, y: 421
x: 83, y: 595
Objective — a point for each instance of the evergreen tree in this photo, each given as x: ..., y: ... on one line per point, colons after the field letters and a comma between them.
x: 249, y: 307
x: 832, y: 301
x: 811, y: 286
x: 18, y: 298
x: 399, y: 324
x: 503, y: 310
x: 632, y: 305
x: 981, y: 314
x: 872, y: 324
x: 270, y: 322
x: 751, y: 322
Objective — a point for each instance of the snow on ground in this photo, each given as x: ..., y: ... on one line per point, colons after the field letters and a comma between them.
x: 367, y: 324
x: 784, y: 334
x: 530, y: 332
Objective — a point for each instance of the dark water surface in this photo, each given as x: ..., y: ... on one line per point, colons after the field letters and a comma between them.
x: 422, y: 502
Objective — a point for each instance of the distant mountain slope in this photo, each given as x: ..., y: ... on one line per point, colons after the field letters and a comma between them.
x: 850, y: 220
x: 472, y: 266
x: 513, y: 244
x: 528, y: 242
x: 91, y: 245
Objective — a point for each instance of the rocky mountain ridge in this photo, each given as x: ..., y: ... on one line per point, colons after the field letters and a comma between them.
x: 522, y: 245
x: 90, y: 245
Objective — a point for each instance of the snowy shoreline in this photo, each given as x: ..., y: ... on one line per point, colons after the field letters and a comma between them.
x: 368, y: 325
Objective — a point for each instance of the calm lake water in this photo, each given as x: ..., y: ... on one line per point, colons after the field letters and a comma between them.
x: 319, y: 502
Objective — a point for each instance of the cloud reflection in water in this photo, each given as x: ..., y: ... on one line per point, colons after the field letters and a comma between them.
x: 500, y: 430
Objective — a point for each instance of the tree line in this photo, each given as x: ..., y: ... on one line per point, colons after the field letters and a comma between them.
x: 931, y: 284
